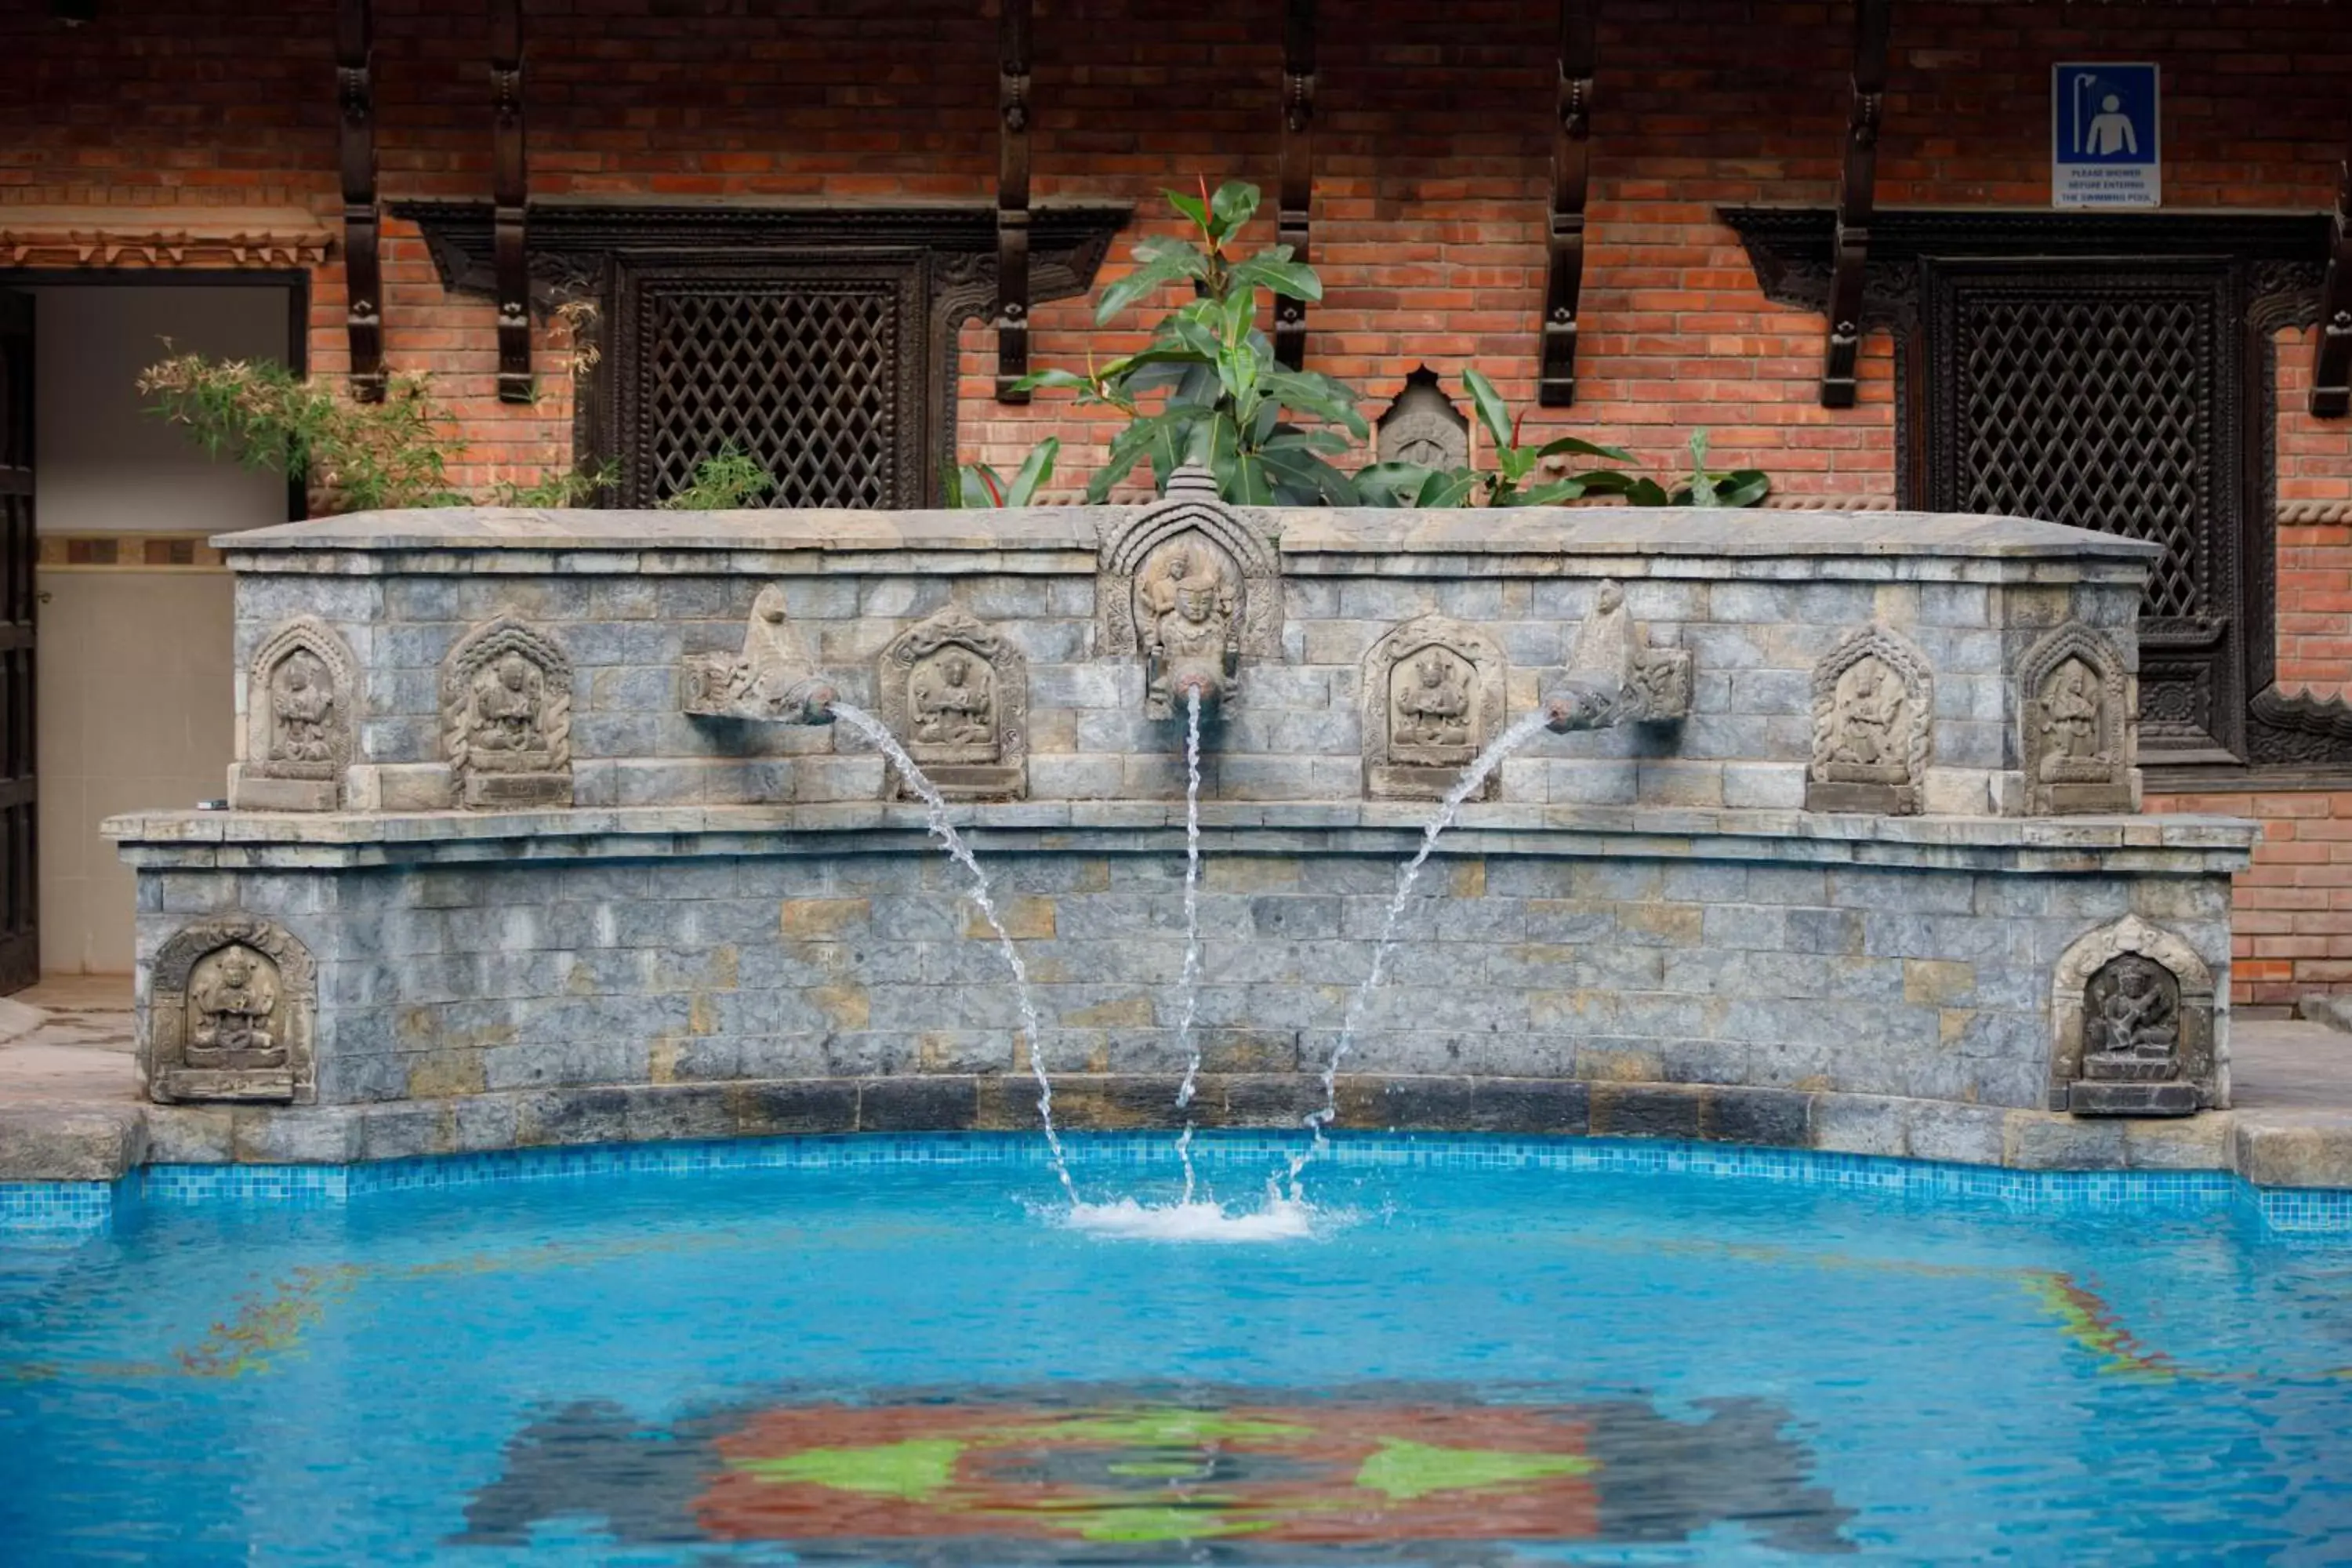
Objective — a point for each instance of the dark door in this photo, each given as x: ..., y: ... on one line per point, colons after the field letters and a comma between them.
x: 2104, y: 393
x: 20, y: 888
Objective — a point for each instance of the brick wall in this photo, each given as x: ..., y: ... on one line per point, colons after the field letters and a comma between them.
x: 1432, y: 167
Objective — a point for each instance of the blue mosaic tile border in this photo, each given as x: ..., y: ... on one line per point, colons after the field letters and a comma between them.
x: 68, y: 1207
x: 38, y: 1208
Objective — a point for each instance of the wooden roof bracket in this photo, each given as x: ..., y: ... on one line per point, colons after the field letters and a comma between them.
x: 1012, y: 321
x: 2331, y: 358
x: 509, y: 203
x: 362, y: 221
x: 1856, y: 199
x: 1295, y: 188
x: 1571, y: 170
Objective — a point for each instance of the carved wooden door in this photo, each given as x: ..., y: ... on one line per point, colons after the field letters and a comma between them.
x: 2104, y: 393
x: 20, y: 893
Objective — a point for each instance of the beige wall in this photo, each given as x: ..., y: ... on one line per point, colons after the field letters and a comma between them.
x: 135, y: 694
x: 134, y: 711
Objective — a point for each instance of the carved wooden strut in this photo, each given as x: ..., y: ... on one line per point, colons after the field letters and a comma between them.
x: 2331, y: 359
x: 509, y: 198
x: 1855, y: 201
x: 1571, y: 167
x: 1012, y: 200
x: 363, y: 268
x: 1295, y: 189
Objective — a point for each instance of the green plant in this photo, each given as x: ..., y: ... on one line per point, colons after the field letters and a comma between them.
x: 1223, y: 395
x: 729, y: 479
x: 1507, y: 482
x: 1705, y: 486
x: 558, y: 487
x: 395, y: 453
x: 978, y: 485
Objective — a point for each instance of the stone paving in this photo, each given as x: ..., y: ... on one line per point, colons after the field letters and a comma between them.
x: 70, y: 1109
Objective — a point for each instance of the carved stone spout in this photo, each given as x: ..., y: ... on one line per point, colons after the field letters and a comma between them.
x: 773, y: 680
x: 1615, y: 676
x: 1193, y: 586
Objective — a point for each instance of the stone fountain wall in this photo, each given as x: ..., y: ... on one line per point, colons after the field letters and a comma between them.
x: 524, y: 847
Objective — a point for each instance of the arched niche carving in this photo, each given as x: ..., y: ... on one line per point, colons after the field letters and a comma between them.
x: 1186, y: 577
x: 232, y: 1004
x: 955, y: 692
x: 506, y: 716
x: 1874, y: 704
x: 2132, y: 1019
x: 1422, y: 425
x: 301, y: 720
x: 1433, y: 691
x: 2077, y: 732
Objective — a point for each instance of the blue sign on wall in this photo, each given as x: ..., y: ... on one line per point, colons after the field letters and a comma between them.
x: 2105, y: 136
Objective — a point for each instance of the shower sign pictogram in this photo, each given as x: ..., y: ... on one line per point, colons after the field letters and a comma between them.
x: 2105, y: 148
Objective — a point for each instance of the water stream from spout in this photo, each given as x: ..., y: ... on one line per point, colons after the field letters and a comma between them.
x: 1473, y: 777
x: 1187, y: 984
x: 936, y: 818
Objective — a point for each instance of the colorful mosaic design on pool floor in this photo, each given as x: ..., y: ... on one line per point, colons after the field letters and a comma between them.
x: 1064, y: 1477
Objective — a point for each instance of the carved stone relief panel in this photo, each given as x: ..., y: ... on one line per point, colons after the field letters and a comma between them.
x: 955, y: 692
x: 2133, y: 1019
x: 1434, y: 694
x: 506, y: 716
x: 231, y: 1005
x: 2077, y: 743
x: 302, y: 724
x: 1873, y: 698
x: 1187, y: 584
x: 1424, y: 426
x: 772, y: 680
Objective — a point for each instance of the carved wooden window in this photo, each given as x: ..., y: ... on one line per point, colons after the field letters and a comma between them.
x: 2107, y: 395
x: 816, y: 369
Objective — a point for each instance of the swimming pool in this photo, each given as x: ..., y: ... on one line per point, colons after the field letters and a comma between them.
x: 900, y: 1354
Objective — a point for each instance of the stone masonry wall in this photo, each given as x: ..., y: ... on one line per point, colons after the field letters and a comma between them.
x: 1755, y: 629
x: 788, y: 958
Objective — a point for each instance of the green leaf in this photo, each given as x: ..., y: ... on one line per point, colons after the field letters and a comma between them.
x: 1571, y: 445
x: 1647, y: 492
x: 1742, y: 487
x: 1127, y: 448
x: 1607, y: 482
x: 1547, y: 495
x: 1122, y: 292
x: 1192, y: 207
x: 1278, y: 275
x: 1331, y: 443
x: 1057, y: 379
x: 1234, y: 205
x: 1309, y: 474
x: 1314, y: 395
x: 1196, y: 334
x: 1394, y: 484
x: 1447, y: 489
x: 1167, y: 249
x: 1492, y: 412
x: 1035, y: 470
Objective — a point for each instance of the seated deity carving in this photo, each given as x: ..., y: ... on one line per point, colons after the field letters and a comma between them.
x: 953, y: 698
x: 1872, y: 716
x: 509, y: 695
x: 1432, y: 705
x: 302, y: 703
x: 2130, y: 1020
x: 232, y: 1002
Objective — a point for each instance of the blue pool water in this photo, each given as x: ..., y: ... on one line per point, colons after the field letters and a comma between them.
x: 1469, y: 1361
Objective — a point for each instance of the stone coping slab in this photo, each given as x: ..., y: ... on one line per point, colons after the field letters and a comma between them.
x: 1712, y: 534
x: 2180, y: 844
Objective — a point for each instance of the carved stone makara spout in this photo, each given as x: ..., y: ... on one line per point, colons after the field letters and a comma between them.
x: 1615, y: 676
x: 772, y: 680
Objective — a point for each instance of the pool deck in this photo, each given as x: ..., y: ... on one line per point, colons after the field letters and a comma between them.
x: 70, y: 1109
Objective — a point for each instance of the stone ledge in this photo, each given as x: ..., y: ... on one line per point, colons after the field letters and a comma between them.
x: 2180, y: 844
x: 72, y: 1143
x: 2319, y: 1154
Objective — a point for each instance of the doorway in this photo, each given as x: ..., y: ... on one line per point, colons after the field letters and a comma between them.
x: 132, y: 693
